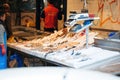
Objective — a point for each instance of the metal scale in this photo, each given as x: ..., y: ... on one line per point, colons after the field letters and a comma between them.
x: 83, y: 16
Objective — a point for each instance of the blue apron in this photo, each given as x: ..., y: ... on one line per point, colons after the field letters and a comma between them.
x: 3, y: 58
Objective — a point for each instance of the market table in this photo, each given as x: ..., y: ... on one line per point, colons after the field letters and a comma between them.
x: 79, y: 59
x: 88, y: 58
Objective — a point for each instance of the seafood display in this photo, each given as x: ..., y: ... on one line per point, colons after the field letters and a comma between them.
x: 61, y: 40
x: 66, y: 48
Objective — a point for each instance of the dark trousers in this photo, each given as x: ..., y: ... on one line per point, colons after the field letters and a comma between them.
x: 49, y: 29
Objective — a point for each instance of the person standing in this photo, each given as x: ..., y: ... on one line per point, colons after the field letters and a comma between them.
x: 3, y: 40
x: 50, y: 16
x: 8, y: 25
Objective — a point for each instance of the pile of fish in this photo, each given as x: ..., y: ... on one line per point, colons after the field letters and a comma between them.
x: 59, y: 40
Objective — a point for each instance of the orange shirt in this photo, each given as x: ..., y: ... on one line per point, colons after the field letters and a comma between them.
x: 50, y: 16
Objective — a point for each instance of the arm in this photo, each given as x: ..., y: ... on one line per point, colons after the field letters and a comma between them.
x: 2, y: 30
x: 42, y: 18
x: 59, y: 15
x: 42, y: 14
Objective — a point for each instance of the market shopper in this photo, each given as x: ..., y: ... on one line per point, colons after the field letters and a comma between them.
x: 8, y: 26
x: 3, y: 40
x: 50, y: 16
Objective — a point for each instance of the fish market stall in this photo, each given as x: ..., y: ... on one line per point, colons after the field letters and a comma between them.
x: 66, y: 49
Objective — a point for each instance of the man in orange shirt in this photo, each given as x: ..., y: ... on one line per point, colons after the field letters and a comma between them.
x: 51, y: 15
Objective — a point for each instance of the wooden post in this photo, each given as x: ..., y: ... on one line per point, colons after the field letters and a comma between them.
x: 38, y: 2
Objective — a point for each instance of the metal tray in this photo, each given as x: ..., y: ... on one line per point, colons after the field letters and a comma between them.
x: 26, y: 33
x: 108, y: 44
